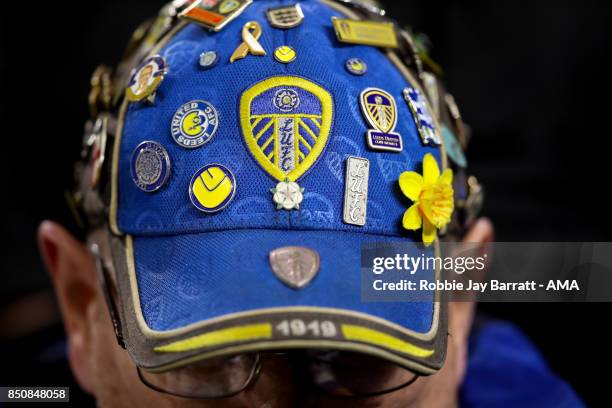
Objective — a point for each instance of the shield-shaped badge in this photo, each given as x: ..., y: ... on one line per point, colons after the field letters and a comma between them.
x: 286, y: 122
x: 295, y: 266
x: 286, y: 17
x: 380, y: 111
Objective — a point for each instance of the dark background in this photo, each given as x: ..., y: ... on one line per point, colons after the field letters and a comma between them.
x: 531, y: 79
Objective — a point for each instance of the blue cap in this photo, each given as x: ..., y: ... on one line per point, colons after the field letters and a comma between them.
x: 195, y: 283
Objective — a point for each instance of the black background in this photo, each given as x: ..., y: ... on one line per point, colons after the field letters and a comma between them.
x: 531, y: 79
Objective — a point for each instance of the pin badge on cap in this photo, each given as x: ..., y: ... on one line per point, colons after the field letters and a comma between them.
x: 285, y: 17
x: 453, y: 148
x: 356, y: 191
x: 99, y: 137
x: 150, y: 166
x: 251, y: 32
x: 146, y: 79
x: 296, y: 267
x: 214, y: 14
x: 212, y: 188
x: 285, y: 54
x: 422, y: 116
x: 208, y: 59
x: 377, y: 34
x: 288, y: 195
x: 380, y: 110
x: 356, y: 66
x: 194, y: 124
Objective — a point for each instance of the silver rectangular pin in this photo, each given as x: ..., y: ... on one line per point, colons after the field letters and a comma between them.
x: 356, y: 191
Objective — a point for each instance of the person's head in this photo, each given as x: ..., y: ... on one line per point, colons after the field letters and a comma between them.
x: 105, y: 370
x: 232, y: 253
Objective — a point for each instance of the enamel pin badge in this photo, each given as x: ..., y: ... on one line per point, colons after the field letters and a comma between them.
x: 286, y: 17
x: 146, y: 79
x: 214, y: 14
x: 430, y: 134
x: 380, y: 110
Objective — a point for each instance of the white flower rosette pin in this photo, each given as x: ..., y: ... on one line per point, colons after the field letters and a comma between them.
x: 288, y: 195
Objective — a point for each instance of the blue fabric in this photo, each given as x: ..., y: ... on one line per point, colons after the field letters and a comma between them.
x: 190, y: 278
x: 506, y: 370
x: 320, y: 59
x: 192, y: 266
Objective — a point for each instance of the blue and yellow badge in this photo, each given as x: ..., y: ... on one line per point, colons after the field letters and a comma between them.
x: 286, y: 122
x: 212, y: 188
x: 194, y: 124
x: 380, y: 111
x: 430, y: 134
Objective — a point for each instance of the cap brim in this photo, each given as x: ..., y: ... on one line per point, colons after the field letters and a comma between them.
x: 190, y: 297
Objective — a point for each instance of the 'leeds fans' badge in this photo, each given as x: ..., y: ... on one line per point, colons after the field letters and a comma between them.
x: 150, y: 166
x: 296, y: 267
x: 286, y: 122
x: 430, y: 134
x: 214, y: 14
x: 194, y: 124
x: 286, y: 17
x: 212, y: 188
x: 380, y: 111
x: 146, y: 79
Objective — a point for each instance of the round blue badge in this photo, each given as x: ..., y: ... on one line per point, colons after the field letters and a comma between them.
x: 194, y: 124
x: 150, y: 166
x: 212, y: 188
x: 453, y: 147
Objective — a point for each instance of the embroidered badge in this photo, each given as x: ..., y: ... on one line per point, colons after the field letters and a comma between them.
x: 286, y: 122
x: 194, y: 124
x: 380, y: 111
x: 428, y: 130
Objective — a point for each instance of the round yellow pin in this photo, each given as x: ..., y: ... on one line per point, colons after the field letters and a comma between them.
x: 285, y: 54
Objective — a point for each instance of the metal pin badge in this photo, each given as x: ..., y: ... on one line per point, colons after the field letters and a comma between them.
x: 356, y: 191
x: 296, y: 267
x: 214, y: 14
x: 285, y: 54
x: 380, y: 111
x: 356, y: 66
x: 150, y: 166
x: 146, y: 79
x: 288, y: 195
x: 285, y: 17
x: 212, y: 188
x: 194, y: 124
x: 430, y: 134
x: 251, y: 32
x: 208, y: 59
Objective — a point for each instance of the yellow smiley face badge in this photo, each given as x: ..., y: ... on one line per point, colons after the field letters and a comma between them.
x: 212, y: 188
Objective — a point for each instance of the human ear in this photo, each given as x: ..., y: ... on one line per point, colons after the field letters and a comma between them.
x: 73, y: 273
x: 461, y: 313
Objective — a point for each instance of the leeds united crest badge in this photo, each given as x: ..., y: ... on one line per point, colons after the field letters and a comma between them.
x: 286, y: 122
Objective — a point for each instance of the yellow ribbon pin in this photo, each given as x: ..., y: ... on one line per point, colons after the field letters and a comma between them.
x: 250, y: 34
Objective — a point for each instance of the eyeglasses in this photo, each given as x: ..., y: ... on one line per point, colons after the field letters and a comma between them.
x: 339, y: 374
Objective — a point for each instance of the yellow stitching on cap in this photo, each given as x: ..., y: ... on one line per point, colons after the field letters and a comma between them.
x: 363, y: 334
x: 272, y: 166
x: 232, y: 335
